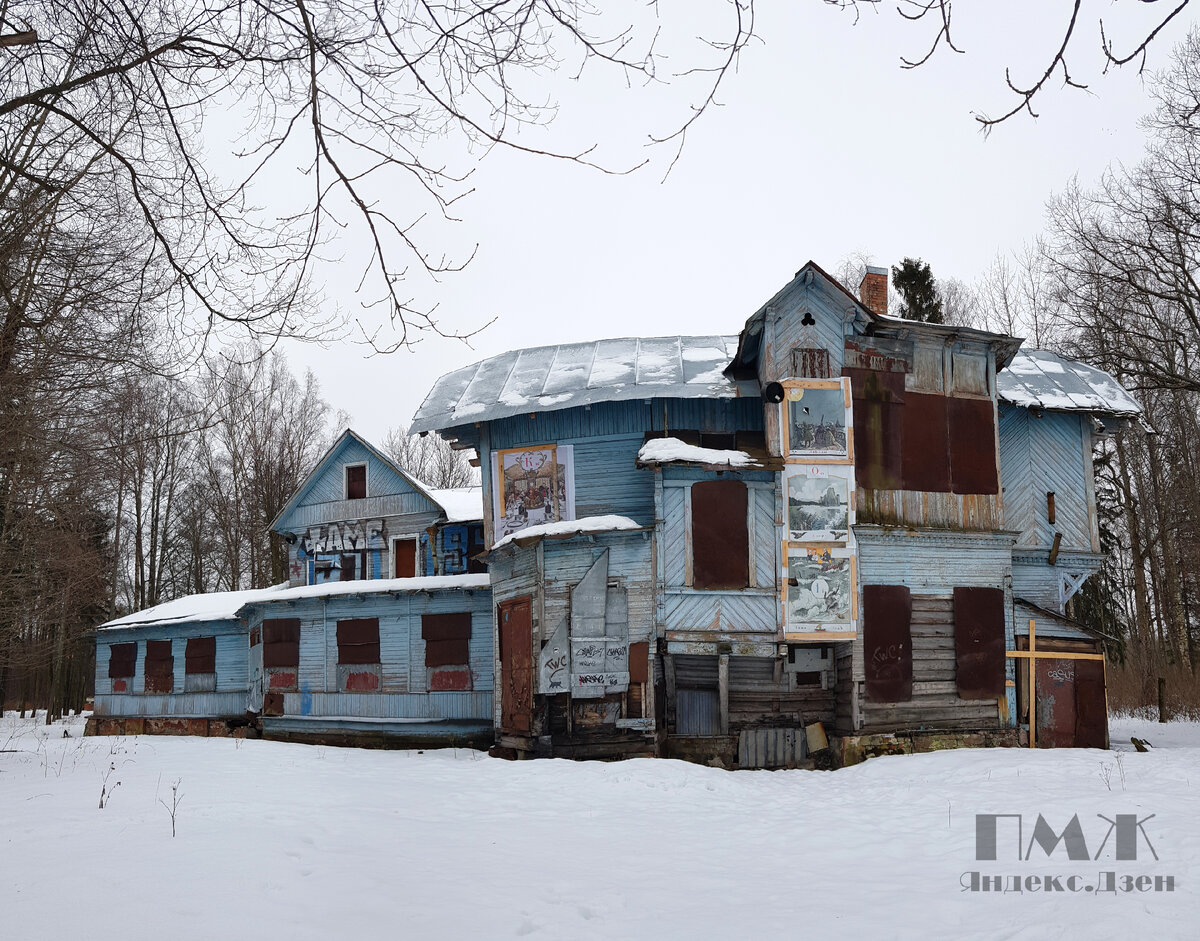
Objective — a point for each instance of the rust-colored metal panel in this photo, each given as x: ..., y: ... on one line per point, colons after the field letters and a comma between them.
x: 972, y: 424
x: 282, y: 680
x: 160, y: 666
x: 122, y: 660
x: 1055, y: 702
x: 925, y: 455
x: 364, y: 682
x: 358, y: 641
x: 273, y: 704
x: 255, y: 637
x: 404, y: 558
x: 450, y: 680
x: 1091, y: 705
x: 887, y: 642
x: 200, y: 655
x: 281, y: 630
x: 455, y: 626
x: 979, y: 642
x: 720, y: 538
x: 639, y: 660
x: 878, y: 399
x: 447, y: 639
x: 281, y: 642
x: 516, y: 666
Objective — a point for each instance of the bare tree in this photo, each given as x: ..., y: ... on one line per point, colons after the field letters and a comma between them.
x: 385, y: 108
x: 430, y: 459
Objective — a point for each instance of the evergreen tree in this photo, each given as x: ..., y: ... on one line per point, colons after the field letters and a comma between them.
x: 919, y: 299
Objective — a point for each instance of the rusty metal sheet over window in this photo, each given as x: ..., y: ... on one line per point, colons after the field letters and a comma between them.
x: 925, y: 456
x: 973, y: 446
x: 1091, y: 705
x: 358, y: 640
x: 160, y: 666
x: 639, y: 662
x: 200, y: 655
x: 720, y: 540
x: 447, y: 639
x: 122, y: 660
x: 878, y: 399
x: 281, y: 642
x: 887, y: 642
x: 979, y: 642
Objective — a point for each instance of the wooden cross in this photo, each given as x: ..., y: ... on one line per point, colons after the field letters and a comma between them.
x: 1031, y: 656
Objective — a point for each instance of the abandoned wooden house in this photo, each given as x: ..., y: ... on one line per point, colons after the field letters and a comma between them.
x: 824, y: 537
x: 382, y: 634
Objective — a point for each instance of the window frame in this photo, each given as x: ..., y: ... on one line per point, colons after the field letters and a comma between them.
x: 366, y: 484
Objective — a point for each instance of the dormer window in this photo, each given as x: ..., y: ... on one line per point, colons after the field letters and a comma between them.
x: 356, y: 481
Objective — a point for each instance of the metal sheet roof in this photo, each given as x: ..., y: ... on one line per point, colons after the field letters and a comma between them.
x: 1041, y: 379
x: 575, y: 374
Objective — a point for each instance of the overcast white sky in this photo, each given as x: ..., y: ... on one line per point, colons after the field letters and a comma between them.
x: 823, y: 146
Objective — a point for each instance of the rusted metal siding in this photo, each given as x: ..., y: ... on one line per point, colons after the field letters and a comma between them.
x: 720, y: 536
x: 979, y: 642
x: 887, y: 615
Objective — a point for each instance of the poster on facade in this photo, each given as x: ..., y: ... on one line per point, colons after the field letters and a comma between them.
x: 533, y: 486
x: 816, y: 419
x: 818, y: 502
x: 820, y: 590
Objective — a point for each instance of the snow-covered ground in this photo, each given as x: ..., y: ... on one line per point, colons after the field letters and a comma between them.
x: 299, y: 842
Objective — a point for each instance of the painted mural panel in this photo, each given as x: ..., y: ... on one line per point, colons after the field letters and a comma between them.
x: 816, y: 419
x: 820, y: 591
x: 818, y: 502
x: 535, y: 485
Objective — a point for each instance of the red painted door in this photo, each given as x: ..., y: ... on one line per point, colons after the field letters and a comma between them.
x: 516, y: 666
x: 404, y: 558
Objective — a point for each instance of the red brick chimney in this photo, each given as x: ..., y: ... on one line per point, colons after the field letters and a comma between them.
x: 872, y: 290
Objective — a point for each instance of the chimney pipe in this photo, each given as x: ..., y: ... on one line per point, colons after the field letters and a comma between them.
x: 873, y: 290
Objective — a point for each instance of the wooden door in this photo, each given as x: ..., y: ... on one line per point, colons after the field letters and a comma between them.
x: 516, y: 666
x: 404, y: 558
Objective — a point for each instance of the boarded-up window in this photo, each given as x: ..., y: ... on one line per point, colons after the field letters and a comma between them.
x: 404, y: 558
x: 281, y: 642
x: 925, y: 455
x: 973, y: 446
x: 887, y: 642
x: 356, y: 481
x: 979, y: 642
x: 878, y: 427
x: 639, y: 662
x: 447, y: 639
x: 720, y: 541
x: 349, y: 567
x: 122, y: 660
x: 200, y: 655
x: 358, y: 640
x: 160, y: 666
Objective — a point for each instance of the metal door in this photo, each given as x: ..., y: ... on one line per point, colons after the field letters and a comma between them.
x: 516, y: 666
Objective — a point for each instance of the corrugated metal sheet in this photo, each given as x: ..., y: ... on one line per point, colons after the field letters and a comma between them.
x: 176, y: 704
x: 771, y: 748
x: 559, y: 377
x: 472, y: 705
x: 1041, y: 379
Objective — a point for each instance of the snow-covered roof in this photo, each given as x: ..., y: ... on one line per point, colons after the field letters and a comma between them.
x: 574, y: 374
x: 460, y: 504
x: 212, y: 606
x: 1041, y: 379
x: 563, y: 528
x: 674, y: 451
x: 376, y: 586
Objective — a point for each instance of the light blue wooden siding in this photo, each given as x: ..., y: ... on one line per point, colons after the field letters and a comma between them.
x: 786, y: 332
x: 930, y: 564
x: 231, y: 662
x: 401, y: 648
x: 1040, y: 455
x: 602, y: 420
x: 629, y: 560
x: 708, y: 414
x: 329, y: 486
x: 765, y: 544
x: 675, y: 534
x: 724, y: 611
x: 606, y: 480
